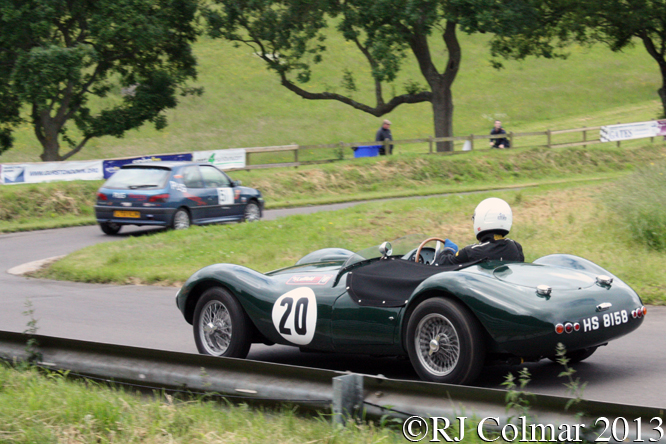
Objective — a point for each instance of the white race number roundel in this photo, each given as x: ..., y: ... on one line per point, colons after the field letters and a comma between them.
x: 295, y: 315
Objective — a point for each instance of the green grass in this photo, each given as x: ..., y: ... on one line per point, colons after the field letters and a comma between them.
x: 557, y: 218
x: 50, y: 408
x: 36, y: 206
x: 244, y: 105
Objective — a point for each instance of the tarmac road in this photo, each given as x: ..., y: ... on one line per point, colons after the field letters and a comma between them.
x: 628, y: 371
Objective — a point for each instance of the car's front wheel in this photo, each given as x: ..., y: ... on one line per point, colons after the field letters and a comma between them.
x: 445, y: 342
x: 221, y: 326
x: 110, y: 227
x: 181, y: 219
x: 252, y: 212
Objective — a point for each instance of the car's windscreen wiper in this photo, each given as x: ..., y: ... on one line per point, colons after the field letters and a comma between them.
x: 134, y: 187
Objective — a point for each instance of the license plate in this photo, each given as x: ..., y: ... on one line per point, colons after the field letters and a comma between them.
x: 134, y: 214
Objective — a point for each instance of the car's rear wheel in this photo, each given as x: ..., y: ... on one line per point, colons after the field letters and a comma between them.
x: 251, y: 213
x: 576, y: 355
x: 221, y: 326
x: 181, y: 220
x: 110, y: 227
x: 445, y: 342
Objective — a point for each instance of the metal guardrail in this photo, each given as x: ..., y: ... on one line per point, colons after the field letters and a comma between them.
x: 311, y: 388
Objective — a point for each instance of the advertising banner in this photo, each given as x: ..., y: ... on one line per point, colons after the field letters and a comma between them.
x: 12, y: 174
x: 223, y: 159
x: 111, y: 166
x: 58, y: 171
x: 627, y: 131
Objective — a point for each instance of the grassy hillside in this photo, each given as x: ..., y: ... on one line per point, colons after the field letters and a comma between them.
x: 244, y: 105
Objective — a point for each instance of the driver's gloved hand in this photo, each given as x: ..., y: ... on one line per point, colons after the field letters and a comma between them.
x: 449, y: 244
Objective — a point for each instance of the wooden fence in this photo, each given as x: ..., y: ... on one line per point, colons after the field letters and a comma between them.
x: 342, y: 150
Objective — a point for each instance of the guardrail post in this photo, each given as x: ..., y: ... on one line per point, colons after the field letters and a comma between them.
x: 618, y: 142
x: 386, y: 147
x: 295, y: 153
x: 471, y: 142
x: 430, y: 144
x: 347, y: 397
x: 511, y: 139
x: 549, y: 136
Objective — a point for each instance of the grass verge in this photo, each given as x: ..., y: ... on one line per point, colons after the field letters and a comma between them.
x: 38, y: 408
x: 36, y: 206
x: 558, y: 218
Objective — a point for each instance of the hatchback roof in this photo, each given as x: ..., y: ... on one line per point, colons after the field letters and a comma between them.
x: 162, y: 164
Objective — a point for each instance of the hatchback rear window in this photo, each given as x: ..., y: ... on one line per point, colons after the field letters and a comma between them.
x: 135, y: 178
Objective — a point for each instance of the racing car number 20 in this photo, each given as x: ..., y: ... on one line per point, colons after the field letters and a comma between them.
x: 295, y: 315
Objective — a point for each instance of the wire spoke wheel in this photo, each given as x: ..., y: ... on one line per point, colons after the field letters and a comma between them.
x: 221, y: 326
x: 438, y: 344
x: 216, y: 328
x: 445, y: 341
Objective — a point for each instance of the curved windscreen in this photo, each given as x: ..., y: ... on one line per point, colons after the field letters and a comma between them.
x: 400, y: 247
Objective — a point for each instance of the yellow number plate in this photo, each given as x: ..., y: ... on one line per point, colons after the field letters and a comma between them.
x: 134, y: 214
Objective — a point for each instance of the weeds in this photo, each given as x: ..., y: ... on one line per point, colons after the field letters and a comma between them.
x: 32, y: 345
x: 640, y: 201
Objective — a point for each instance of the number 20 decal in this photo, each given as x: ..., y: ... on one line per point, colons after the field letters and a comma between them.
x: 295, y: 315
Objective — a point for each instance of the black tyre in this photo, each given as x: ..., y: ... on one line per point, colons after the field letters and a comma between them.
x: 221, y: 326
x: 110, y: 228
x: 252, y: 212
x: 445, y: 342
x: 577, y: 355
x: 181, y: 220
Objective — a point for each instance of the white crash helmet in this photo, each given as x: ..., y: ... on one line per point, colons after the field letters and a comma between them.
x: 492, y: 214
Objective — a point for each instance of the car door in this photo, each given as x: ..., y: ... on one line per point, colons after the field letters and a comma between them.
x: 196, y: 196
x: 221, y: 186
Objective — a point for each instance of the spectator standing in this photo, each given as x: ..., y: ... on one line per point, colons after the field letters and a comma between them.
x: 500, y: 142
x: 384, y: 133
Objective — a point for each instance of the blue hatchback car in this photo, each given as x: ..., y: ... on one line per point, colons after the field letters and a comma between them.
x: 175, y: 195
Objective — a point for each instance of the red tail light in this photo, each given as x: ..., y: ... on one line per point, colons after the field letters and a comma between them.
x: 559, y: 329
x: 158, y: 198
x: 568, y: 327
x: 102, y: 196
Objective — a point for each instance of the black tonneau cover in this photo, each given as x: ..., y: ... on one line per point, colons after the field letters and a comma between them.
x: 390, y: 283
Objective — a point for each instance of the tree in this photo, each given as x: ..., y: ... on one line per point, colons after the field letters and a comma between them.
x: 55, y: 55
x: 615, y: 23
x: 288, y: 35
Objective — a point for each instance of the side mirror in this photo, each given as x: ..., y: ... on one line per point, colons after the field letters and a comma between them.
x: 236, y: 183
x: 385, y: 249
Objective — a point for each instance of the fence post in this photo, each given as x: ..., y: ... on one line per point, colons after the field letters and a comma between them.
x: 584, y: 136
x: 295, y: 154
x: 548, y: 135
x: 471, y: 142
x: 618, y: 142
x: 430, y: 144
x: 511, y: 139
x: 386, y: 147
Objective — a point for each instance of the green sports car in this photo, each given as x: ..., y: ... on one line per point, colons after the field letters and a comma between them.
x: 390, y: 300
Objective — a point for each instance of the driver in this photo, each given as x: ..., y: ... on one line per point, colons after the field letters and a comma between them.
x: 492, y: 221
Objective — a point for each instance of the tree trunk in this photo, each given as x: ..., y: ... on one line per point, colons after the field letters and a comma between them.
x: 442, y: 110
x: 442, y: 100
x: 46, y: 130
x: 662, y: 90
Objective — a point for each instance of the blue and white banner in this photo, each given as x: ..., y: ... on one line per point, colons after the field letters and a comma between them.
x: 628, y: 131
x: 12, y: 174
x: 111, y: 166
x: 58, y: 171
x: 51, y: 172
x: 223, y: 159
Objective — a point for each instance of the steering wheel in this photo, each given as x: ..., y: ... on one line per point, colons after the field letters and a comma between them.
x: 430, y: 239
